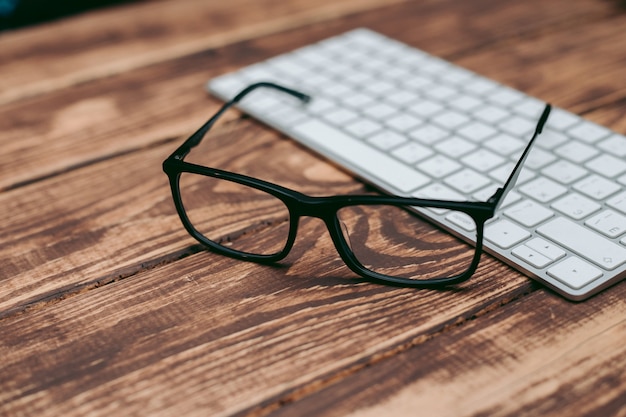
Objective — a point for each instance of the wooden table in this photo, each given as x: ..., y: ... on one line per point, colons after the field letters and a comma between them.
x: 108, y: 307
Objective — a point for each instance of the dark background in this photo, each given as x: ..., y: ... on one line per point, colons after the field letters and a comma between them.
x: 19, y: 13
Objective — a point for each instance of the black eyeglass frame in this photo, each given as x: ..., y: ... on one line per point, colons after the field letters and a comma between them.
x: 326, y: 208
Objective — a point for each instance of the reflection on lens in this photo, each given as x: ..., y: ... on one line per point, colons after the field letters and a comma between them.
x: 234, y: 215
x: 392, y: 241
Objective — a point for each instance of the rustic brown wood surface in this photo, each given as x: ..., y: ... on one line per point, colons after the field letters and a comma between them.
x: 107, y: 306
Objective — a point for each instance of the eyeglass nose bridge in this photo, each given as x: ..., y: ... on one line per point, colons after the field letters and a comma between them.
x: 325, y: 209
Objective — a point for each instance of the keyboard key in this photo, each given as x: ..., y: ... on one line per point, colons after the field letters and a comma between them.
x: 340, y: 116
x: 480, y: 85
x: 547, y: 249
x: 319, y: 105
x: 477, y: 131
x: 412, y: 152
x: 616, y: 145
x: 518, y: 126
x: 380, y: 111
x: 564, y: 172
x: 560, y: 119
x: 363, y: 127
x: 428, y: 134
x: 589, y: 132
x: 538, y: 158
x: 575, y: 272
x: 387, y: 139
x: 462, y: 220
x: 288, y: 115
x: 505, y: 234
x: 529, y: 107
x: 455, y: 146
x: 486, y: 193
x: 543, y: 190
x: 456, y: 76
x: 416, y: 82
x: 440, y: 92
x: 483, y: 160
x: 464, y: 102
x: 609, y: 223
x: 597, y: 187
x: 532, y: 257
x: 576, y: 152
x: 504, y: 144
x: 467, y: 181
x: 576, y: 206
x: 528, y: 213
x: 439, y: 166
x: 584, y: 242
x: 434, y: 66
x: 550, y: 139
x: 504, y: 96
x: 618, y: 202
x: 436, y: 191
x: 425, y: 108
x: 400, y: 98
x: 357, y: 100
x: 378, y: 87
x: 403, y: 122
x: 450, y: 119
x: 503, y: 172
x: 491, y: 114
x: 388, y: 170
x: 607, y: 165
x: 334, y: 89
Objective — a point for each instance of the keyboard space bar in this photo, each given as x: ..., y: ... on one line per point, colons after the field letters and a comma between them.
x: 332, y: 142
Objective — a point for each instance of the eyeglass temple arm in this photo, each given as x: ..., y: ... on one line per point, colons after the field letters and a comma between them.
x: 498, y: 197
x: 197, y: 137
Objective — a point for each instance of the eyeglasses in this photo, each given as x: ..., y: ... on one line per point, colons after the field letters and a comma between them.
x: 380, y: 237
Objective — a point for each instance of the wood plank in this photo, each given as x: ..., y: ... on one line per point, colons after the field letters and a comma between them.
x: 111, y: 41
x: 613, y: 115
x: 47, y: 135
x: 213, y: 336
x: 539, y: 356
x: 115, y: 217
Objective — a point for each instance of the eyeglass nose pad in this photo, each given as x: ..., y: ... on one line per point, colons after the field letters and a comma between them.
x: 346, y: 233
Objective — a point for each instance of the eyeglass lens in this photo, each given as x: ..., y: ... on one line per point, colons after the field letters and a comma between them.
x: 235, y: 216
x: 386, y: 239
x: 393, y: 241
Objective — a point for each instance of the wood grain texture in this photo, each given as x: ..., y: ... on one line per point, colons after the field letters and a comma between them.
x: 538, y: 356
x: 108, y: 307
x: 209, y: 335
x: 137, y: 35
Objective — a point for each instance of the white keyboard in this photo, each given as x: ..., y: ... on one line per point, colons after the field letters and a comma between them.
x: 415, y: 125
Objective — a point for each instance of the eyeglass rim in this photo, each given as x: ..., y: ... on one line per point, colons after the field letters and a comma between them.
x: 326, y: 208
x: 480, y: 212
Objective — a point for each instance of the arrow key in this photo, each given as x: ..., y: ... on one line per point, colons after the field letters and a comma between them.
x: 575, y: 272
x: 532, y: 257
